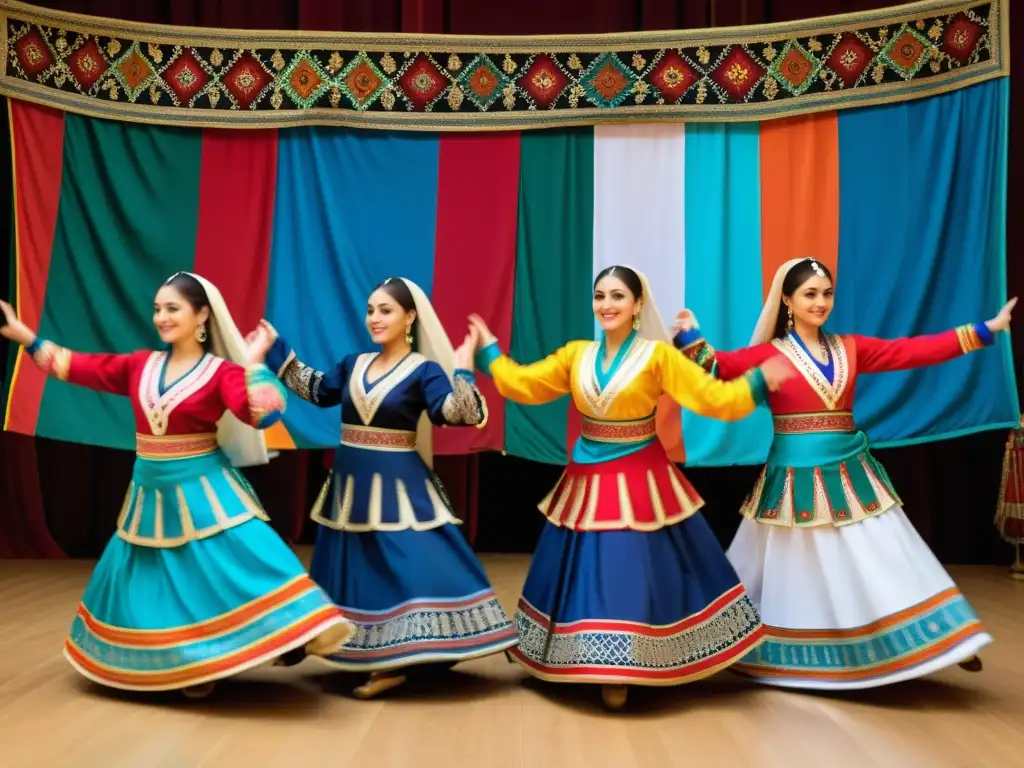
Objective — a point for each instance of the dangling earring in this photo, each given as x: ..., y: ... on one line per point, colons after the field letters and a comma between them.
x: 636, y: 322
x: 408, y: 335
x: 201, y: 333
x: 789, y: 323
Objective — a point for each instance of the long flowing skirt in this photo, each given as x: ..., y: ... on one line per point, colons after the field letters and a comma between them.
x: 161, y: 617
x: 643, y: 607
x: 415, y: 597
x: 855, y: 606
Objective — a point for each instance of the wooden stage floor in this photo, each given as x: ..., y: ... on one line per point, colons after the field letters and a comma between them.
x: 488, y: 714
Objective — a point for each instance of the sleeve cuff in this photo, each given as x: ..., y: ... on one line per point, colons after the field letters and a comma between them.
x: 34, y: 346
x: 486, y: 356
x: 758, y: 386
x: 686, y: 338
x: 984, y: 334
x: 280, y: 354
x: 462, y: 373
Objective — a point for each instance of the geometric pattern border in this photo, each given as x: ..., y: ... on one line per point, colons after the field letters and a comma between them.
x: 230, y: 79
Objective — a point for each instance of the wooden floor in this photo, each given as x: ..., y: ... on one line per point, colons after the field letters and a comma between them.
x: 488, y: 714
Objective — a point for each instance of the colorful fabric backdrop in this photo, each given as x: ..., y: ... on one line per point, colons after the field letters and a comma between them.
x: 905, y: 202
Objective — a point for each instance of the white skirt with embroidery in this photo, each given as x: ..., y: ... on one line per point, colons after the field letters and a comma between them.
x: 856, y: 606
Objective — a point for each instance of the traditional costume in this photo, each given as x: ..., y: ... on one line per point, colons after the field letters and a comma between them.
x: 195, y: 586
x: 850, y: 594
x: 628, y: 583
x: 388, y: 549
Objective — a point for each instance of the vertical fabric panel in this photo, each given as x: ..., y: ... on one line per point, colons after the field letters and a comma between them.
x: 236, y: 219
x: 639, y: 221
x: 475, y: 263
x: 723, y: 274
x: 922, y: 249
x: 554, y: 260
x: 128, y: 212
x: 799, y: 192
x: 352, y: 208
x: 37, y: 139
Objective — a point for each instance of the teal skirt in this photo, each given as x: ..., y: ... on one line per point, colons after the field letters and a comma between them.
x: 195, y: 586
x: 820, y: 479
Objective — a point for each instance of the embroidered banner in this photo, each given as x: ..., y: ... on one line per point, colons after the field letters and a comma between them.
x: 225, y: 78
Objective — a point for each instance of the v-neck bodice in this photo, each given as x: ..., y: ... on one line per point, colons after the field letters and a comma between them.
x: 828, y: 368
x: 369, y: 385
x: 163, y: 387
x: 605, y: 376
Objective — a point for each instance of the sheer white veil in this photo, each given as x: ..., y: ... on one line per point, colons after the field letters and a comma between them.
x: 244, y: 445
x: 764, y: 331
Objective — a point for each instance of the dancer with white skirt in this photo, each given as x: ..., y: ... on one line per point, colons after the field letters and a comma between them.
x: 849, y: 593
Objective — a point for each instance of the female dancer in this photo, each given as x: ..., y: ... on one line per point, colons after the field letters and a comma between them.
x: 850, y: 595
x: 387, y: 548
x: 628, y: 584
x: 195, y: 586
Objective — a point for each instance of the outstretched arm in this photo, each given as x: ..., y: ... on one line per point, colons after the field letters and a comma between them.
x: 456, y: 402
x: 725, y: 365
x: 321, y: 388
x: 253, y: 394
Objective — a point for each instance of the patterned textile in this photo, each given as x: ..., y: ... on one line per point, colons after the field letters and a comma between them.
x: 210, y: 77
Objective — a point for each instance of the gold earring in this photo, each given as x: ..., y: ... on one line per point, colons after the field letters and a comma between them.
x: 201, y: 333
x: 636, y: 322
x: 408, y: 335
x: 789, y: 323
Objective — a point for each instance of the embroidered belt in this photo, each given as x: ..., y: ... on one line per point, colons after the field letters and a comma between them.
x: 378, y: 438
x: 174, y: 446
x: 619, y: 431
x: 809, y: 423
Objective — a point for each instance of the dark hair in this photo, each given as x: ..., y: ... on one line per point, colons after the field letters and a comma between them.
x: 192, y: 291
x: 630, y: 278
x: 797, y: 276
x: 396, y: 288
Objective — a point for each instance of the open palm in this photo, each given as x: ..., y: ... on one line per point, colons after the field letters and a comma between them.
x: 13, y: 328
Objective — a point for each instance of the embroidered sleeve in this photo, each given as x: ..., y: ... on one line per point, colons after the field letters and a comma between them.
x: 458, y: 403
x: 880, y: 355
x: 533, y: 384
x: 252, y: 394
x: 103, y: 372
x: 697, y: 390
x: 320, y: 388
x: 723, y: 365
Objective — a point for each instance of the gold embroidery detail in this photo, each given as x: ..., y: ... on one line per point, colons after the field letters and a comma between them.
x: 619, y: 431
x: 159, y: 407
x: 53, y: 360
x: 301, y: 379
x: 831, y: 394
x: 464, y: 406
x: 174, y: 446
x: 367, y: 403
x: 378, y: 438
x: 969, y: 339
x: 633, y: 363
x: 808, y: 423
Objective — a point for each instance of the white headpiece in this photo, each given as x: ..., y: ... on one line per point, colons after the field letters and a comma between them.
x: 244, y: 445
x: 765, y: 328
x: 433, y: 343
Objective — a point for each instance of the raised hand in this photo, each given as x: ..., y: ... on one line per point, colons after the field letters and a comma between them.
x: 12, y: 328
x: 1001, y: 322
x: 685, y: 321
x: 484, y: 335
x: 776, y: 371
x: 259, y: 342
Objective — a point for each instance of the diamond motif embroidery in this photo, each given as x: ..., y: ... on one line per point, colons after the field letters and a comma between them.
x: 544, y: 81
x: 245, y: 80
x: 849, y: 59
x: 738, y: 74
x: 34, y: 54
x: 362, y: 82
x: 673, y: 76
x: 907, y: 52
x: 185, y: 77
x: 422, y: 82
x: 961, y: 37
x: 87, y: 64
x: 304, y: 80
x: 607, y: 81
x: 482, y: 82
x: 134, y: 72
x: 795, y: 68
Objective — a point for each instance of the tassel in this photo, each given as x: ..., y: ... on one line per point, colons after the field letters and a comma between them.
x: 1009, y: 518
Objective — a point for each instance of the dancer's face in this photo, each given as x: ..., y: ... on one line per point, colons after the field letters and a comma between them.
x: 174, y: 317
x: 614, y: 304
x: 385, y: 319
x: 812, y: 302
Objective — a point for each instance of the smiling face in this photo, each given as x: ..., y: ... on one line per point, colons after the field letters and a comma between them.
x: 812, y: 302
x: 614, y: 304
x: 174, y: 317
x: 385, y: 319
